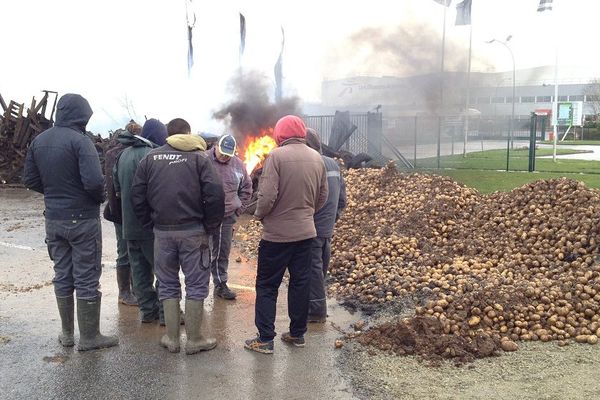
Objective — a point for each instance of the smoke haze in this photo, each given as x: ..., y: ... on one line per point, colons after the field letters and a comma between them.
x: 408, y: 50
x: 251, y: 109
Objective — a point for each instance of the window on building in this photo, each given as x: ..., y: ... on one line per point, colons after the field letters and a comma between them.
x: 497, y: 99
x: 563, y: 98
x: 483, y: 100
x: 576, y: 98
x: 527, y: 99
x: 510, y: 99
x: 544, y: 99
x: 592, y: 97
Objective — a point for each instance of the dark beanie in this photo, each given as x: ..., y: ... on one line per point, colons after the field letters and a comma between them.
x: 155, y: 131
x: 312, y: 139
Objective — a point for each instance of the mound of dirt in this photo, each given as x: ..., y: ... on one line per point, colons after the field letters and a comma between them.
x: 424, y: 337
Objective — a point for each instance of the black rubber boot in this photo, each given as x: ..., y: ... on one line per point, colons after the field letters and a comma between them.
x: 88, y: 318
x: 170, y: 340
x: 194, y: 312
x: 66, y: 309
x: 124, y: 281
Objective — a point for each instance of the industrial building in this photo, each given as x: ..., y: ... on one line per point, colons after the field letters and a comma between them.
x: 490, y: 93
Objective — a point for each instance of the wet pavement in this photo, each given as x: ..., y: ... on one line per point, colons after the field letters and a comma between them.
x: 33, y: 365
x: 587, y: 152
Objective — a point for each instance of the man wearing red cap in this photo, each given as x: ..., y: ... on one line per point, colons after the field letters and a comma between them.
x: 292, y: 187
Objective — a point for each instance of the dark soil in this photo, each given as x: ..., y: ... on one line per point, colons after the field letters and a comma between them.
x: 424, y: 337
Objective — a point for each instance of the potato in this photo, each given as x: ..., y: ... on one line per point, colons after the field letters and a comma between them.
x: 581, y: 338
x: 508, y: 345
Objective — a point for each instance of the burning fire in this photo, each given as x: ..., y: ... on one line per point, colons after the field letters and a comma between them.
x: 256, y: 148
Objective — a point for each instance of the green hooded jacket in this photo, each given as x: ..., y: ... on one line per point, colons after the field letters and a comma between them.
x: 123, y: 174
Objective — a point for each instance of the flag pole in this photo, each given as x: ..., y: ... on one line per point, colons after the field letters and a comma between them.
x: 439, y: 138
x: 554, y: 21
x: 466, y: 125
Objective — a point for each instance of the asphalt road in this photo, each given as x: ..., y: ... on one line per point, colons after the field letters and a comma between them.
x: 34, y: 366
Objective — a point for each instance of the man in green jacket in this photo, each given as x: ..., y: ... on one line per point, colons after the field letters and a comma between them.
x: 140, y: 241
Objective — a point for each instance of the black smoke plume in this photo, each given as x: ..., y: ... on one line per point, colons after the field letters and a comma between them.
x: 251, y: 109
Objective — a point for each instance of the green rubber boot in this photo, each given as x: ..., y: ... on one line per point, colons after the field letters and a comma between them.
x: 88, y: 318
x: 124, y: 282
x: 194, y: 312
x: 66, y: 309
x: 170, y: 340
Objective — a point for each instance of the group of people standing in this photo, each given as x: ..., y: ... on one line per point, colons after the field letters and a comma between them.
x: 174, y: 203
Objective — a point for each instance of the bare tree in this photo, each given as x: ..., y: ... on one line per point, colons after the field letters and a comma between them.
x: 592, y: 94
x: 127, y: 105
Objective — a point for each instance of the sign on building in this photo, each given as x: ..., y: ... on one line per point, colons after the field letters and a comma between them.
x: 568, y: 114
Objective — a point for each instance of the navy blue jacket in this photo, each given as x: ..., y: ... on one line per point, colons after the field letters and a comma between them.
x: 336, y: 200
x: 62, y: 164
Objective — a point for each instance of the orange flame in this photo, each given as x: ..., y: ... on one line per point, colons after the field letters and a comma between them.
x: 256, y: 149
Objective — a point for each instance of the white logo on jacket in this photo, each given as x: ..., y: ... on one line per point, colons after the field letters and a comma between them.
x: 167, y: 157
x: 178, y: 161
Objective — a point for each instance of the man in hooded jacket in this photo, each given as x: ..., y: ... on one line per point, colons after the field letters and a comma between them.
x: 63, y: 164
x: 140, y: 241
x: 325, y: 220
x: 113, y: 213
x: 177, y: 192
x: 293, y: 185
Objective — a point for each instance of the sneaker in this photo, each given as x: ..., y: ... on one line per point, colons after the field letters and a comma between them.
x: 296, y: 341
x: 223, y: 291
x: 148, y: 319
x: 258, y: 346
x: 316, y: 319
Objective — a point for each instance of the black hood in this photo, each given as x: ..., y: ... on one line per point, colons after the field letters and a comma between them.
x: 73, y: 111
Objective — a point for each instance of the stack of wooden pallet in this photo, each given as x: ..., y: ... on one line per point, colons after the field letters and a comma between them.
x: 18, y: 126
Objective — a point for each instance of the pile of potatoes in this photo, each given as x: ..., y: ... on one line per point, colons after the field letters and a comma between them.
x: 516, y: 266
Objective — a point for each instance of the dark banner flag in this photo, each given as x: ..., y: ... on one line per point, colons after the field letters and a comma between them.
x: 545, y: 5
x: 242, y: 34
x: 463, y: 13
x: 278, y: 70
x: 190, y: 25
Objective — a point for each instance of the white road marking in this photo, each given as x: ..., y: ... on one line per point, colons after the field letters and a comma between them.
x: 16, y: 246
x: 241, y: 287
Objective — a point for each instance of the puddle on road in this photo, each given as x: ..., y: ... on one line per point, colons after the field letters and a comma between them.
x: 9, y: 287
x: 58, y: 359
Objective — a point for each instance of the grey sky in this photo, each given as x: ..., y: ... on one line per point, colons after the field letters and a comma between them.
x: 132, y: 51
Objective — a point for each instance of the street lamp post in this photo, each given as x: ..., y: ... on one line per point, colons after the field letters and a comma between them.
x: 512, y: 114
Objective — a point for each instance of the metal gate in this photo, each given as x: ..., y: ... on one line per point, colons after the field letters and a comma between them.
x: 366, y: 138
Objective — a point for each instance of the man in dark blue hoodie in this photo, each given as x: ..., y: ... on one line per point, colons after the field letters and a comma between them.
x: 140, y: 241
x: 62, y: 164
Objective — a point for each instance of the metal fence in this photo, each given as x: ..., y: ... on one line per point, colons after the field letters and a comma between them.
x: 366, y: 138
x: 440, y: 142
x: 426, y: 141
